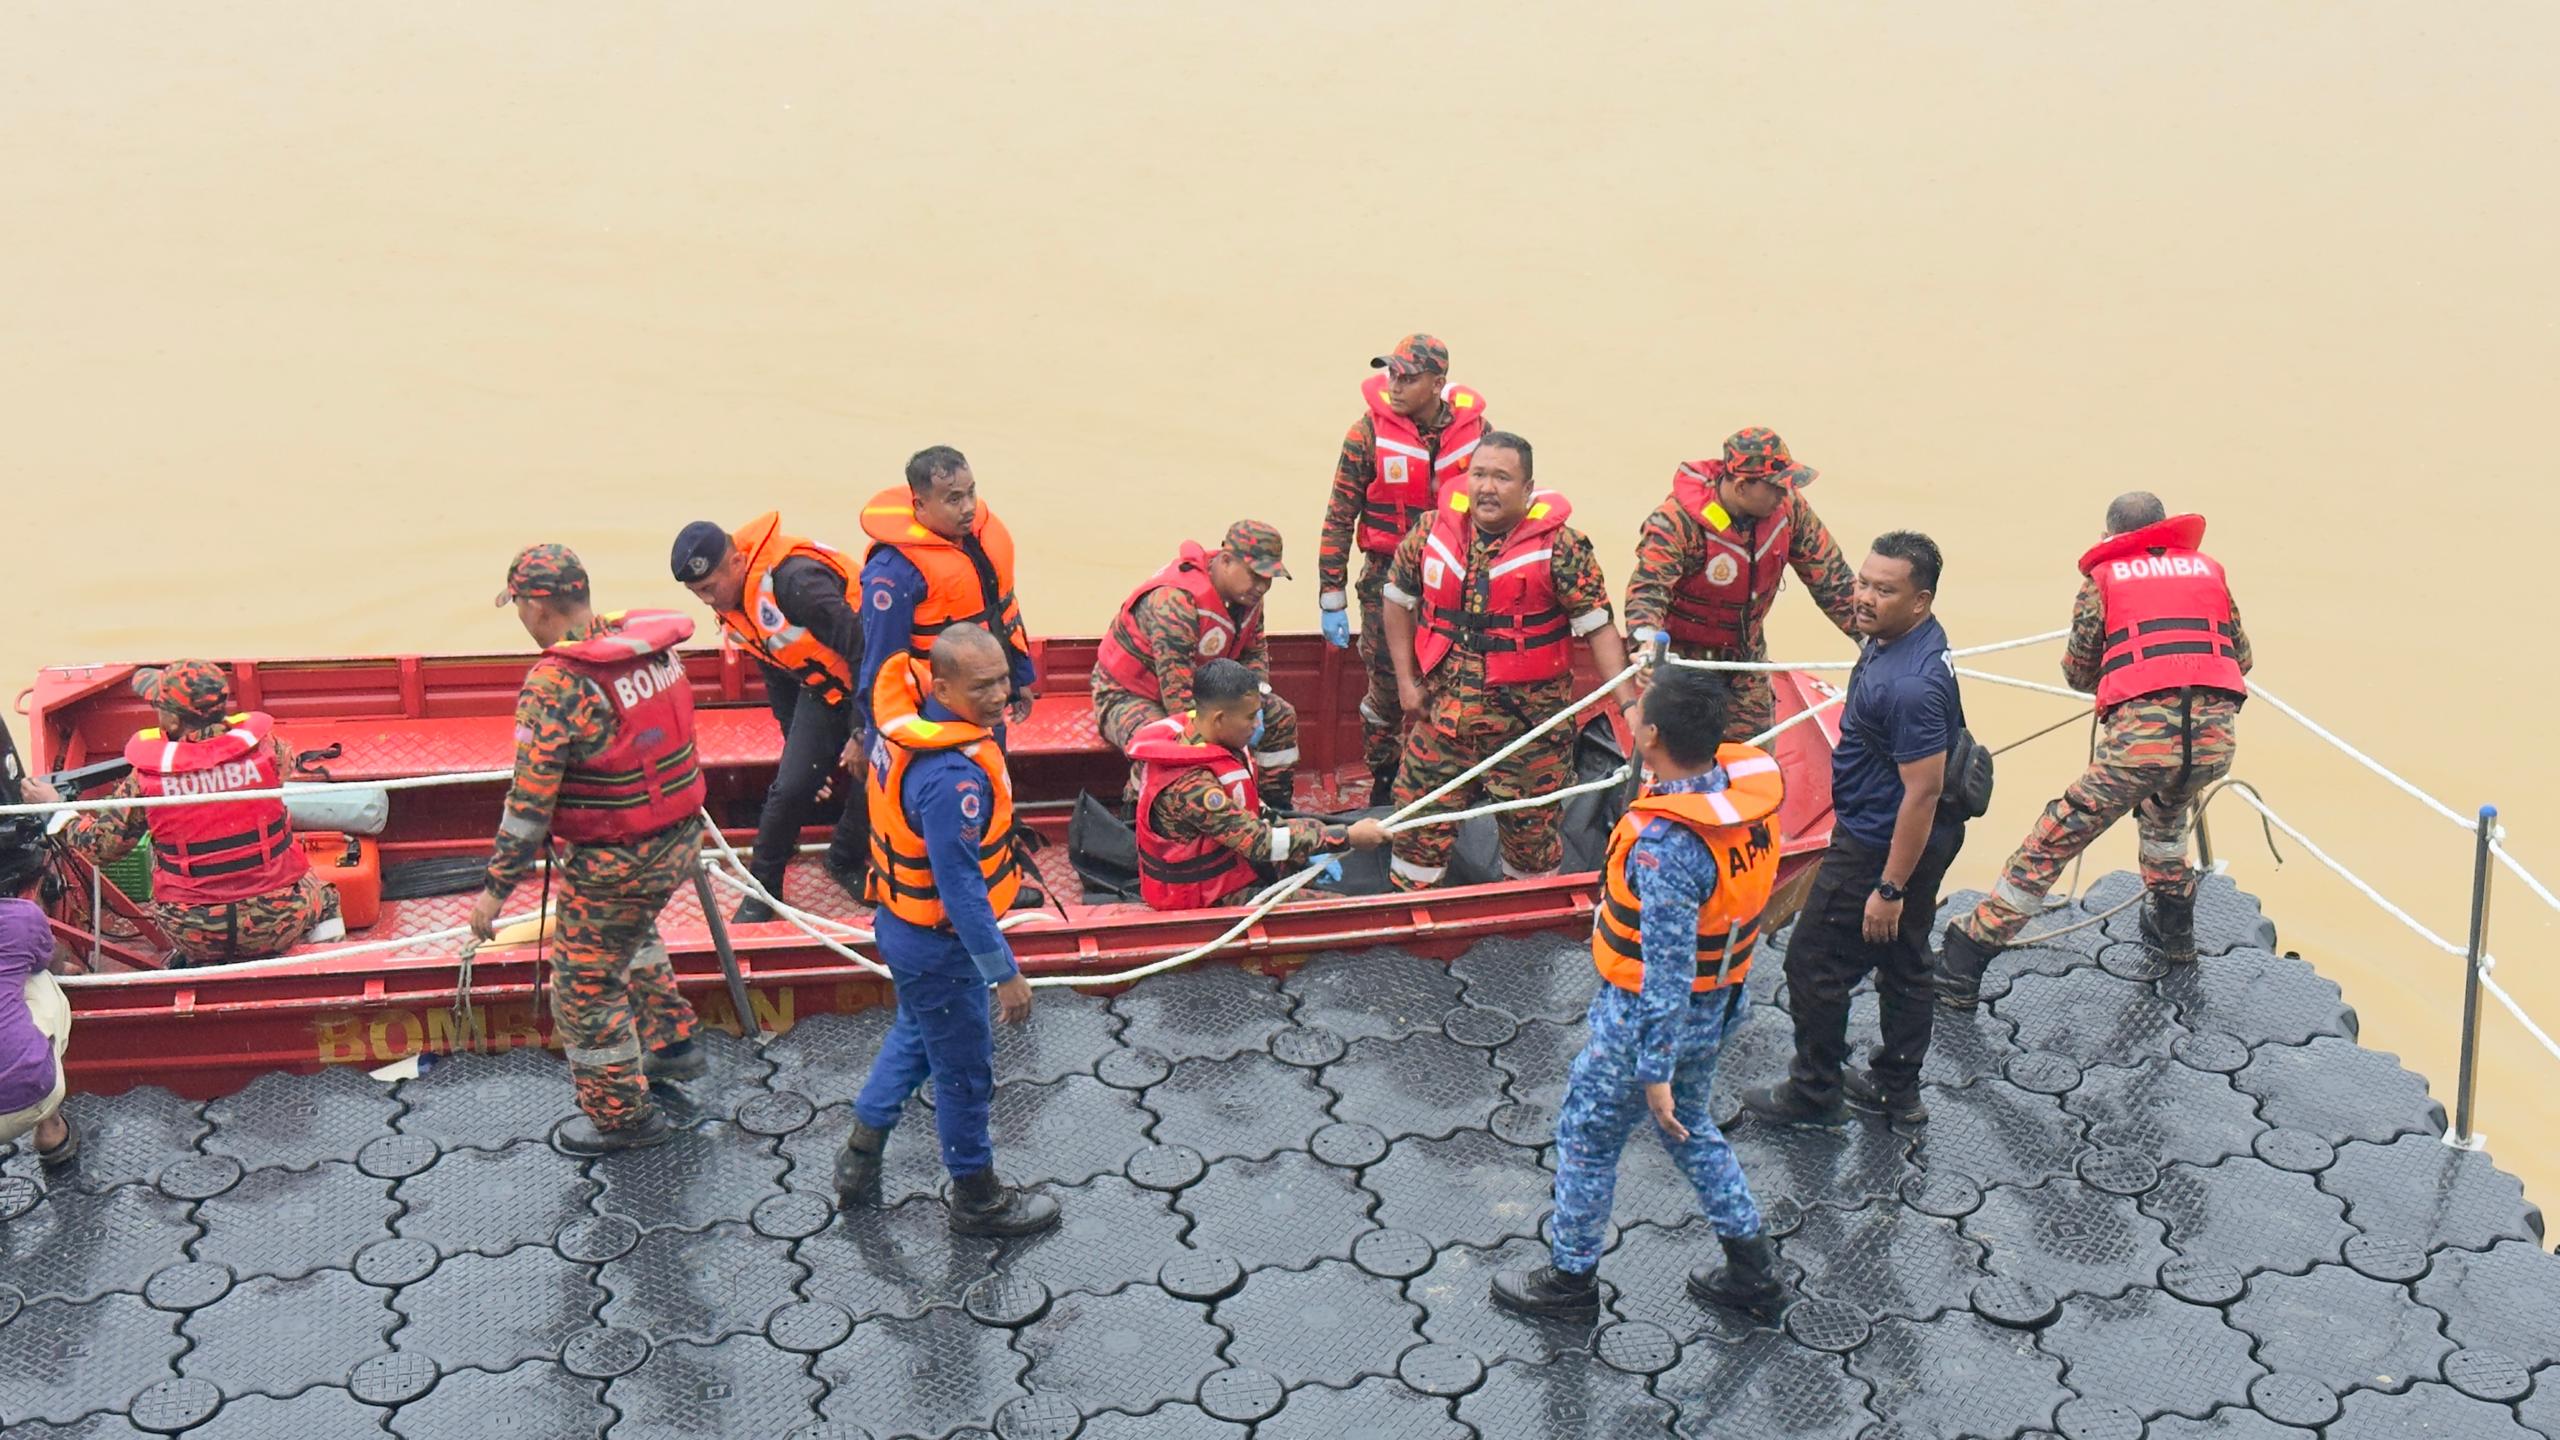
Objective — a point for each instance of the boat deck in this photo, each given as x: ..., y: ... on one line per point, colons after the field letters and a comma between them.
x: 2177, y: 1205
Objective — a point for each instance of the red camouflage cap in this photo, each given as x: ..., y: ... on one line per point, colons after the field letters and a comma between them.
x: 543, y: 572
x: 1757, y: 453
x: 195, y: 688
x: 1413, y: 354
x: 1257, y: 544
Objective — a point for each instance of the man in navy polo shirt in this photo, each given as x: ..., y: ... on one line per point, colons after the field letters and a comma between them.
x: 1872, y: 906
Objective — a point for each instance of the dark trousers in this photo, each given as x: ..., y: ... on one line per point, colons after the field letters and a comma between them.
x: 813, y: 740
x: 1827, y: 955
x: 943, y: 1033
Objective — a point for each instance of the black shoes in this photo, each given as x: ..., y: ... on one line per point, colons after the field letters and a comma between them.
x: 2169, y: 926
x: 1547, y: 1291
x: 1902, y: 1110
x: 1281, y: 792
x: 1959, y: 977
x: 853, y: 874
x: 674, y: 1064
x: 980, y: 1204
x: 858, y: 1167
x: 579, y: 1136
x: 1382, y: 788
x: 1747, y: 1281
x: 1787, y: 1105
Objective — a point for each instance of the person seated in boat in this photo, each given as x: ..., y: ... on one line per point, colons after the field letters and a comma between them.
x: 1712, y: 556
x: 939, y: 558
x: 1687, y: 873
x: 1206, y: 605
x: 1204, y: 837
x: 35, y: 1018
x: 788, y: 602
x: 227, y: 880
x: 1485, y: 599
x: 605, y: 766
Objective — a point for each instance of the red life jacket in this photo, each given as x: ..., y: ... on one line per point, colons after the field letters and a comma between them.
x: 1522, y: 630
x: 647, y: 778
x: 1129, y: 657
x: 224, y: 850
x: 1409, y: 474
x: 1722, y: 602
x: 2168, y: 613
x: 1187, y: 874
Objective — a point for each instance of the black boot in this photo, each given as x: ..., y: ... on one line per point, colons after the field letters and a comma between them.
x: 1382, y: 786
x: 1960, y: 967
x: 1747, y: 1281
x: 2169, y: 926
x: 1900, y: 1108
x: 581, y: 1137
x: 981, y: 1205
x: 752, y: 910
x: 1547, y: 1291
x: 1280, y: 792
x: 674, y: 1064
x: 858, y: 1167
x: 1787, y: 1105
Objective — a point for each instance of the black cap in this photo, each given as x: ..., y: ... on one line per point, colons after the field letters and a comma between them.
x: 700, y: 547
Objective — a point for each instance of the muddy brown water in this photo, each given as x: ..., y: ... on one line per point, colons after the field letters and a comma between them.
x: 313, y: 314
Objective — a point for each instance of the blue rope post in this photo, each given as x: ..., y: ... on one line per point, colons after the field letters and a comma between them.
x: 2488, y: 829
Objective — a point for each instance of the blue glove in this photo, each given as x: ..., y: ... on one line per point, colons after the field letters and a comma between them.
x: 1330, y: 866
x: 1337, y: 627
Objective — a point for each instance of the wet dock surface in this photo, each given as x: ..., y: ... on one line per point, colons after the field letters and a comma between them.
x: 2176, y: 1205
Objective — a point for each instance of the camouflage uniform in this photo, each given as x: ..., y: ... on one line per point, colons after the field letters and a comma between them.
x: 1464, y: 719
x: 1673, y: 544
x: 193, y: 697
x: 1381, y: 709
x: 2156, y: 753
x: 1194, y: 806
x: 616, y: 991
x: 1172, y: 634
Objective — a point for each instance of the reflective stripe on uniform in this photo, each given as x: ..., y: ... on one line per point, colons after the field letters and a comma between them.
x: 1418, y: 874
x: 1524, y: 558
x: 1514, y: 872
x: 2007, y: 893
x: 1279, y: 843
x: 1591, y: 621
x: 522, y: 827
x: 2163, y: 849
x: 597, y: 1058
x: 1276, y: 759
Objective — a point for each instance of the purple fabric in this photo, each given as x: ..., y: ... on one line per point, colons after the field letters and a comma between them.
x: 26, y: 1056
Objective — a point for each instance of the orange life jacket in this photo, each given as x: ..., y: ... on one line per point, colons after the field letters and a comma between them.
x: 2168, y: 613
x: 1187, y: 874
x: 648, y: 777
x: 1722, y: 602
x: 760, y: 627
x: 901, y: 879
x: 1129, y: 657
x: 1740, y: 826
x: 1522, y: 630
x: 1408, y: 473
x: 957, y: 590
x: 224, y: 850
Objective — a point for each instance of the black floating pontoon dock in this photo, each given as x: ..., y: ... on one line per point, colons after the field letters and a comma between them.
x: 2175, y: 1205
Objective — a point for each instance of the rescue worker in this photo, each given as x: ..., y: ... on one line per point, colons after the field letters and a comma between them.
x: 787, y: 602
x: 605, y: 766
x: 1484, y: 601
x: 1688, y: 871
x: 1872, y: 904
x: 943, y: 866
x: 1204, y: 837
x: 938, y: 558
x: 227, y: 880
x: 1410, y: 446
x: 1204, y: 606
x: 2156, y: 637
x: 1713, y: 556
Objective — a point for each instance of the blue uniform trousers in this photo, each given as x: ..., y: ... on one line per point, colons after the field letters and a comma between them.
x: 1603, y: 1102
x: 944, y: 1030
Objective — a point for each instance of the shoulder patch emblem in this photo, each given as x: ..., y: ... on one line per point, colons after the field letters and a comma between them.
x: 1393, y: 467
x: 1432, y: 573
x: 1214, y: 643
x: 1722, y: 569
x: 880, y: 597
x: 972, y: 804
x: 1213, y: 800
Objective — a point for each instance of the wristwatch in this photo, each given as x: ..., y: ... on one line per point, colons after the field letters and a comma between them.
x: 1889, y: 890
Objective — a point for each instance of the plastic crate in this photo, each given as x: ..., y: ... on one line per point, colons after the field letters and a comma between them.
x: 132, y: 874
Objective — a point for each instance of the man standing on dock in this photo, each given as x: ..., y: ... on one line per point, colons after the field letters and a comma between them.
x: 943, y: 867
x: 605, y: 764
x: 939, y: 558
x: 788, y: 603
x: 1711, y: 560
x: 1484, y: 601
x: 1410, y: 446
x: 1871, y: 907
x: 2156, y: 637
x: 1204, y: 606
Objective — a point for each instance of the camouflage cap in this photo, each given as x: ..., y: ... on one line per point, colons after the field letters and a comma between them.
x: 1412, y: 355
x: 197, y: 689
x: 543, y: 572
x: 1758, y: 454
x: 1257, y: 544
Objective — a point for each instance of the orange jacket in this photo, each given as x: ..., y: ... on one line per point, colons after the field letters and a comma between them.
x: 901, y: 872
x: 957, y: 590
x: 764, y: 631
x: 1740, y: 824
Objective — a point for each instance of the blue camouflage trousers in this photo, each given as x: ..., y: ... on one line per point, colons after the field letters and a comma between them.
x: 1603, y: 1102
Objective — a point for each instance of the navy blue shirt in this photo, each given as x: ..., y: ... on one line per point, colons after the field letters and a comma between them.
x: 948, y: 800
x: 1902, y: 706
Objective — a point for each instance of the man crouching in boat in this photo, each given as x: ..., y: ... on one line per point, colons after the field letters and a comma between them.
x: 1688, y: 871
x: 1203, y: 836
x: 604, y: 763
x: 227, y: 880
x: 943, y: 866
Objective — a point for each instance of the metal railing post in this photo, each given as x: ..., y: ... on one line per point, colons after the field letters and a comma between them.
x: 2479, y: 947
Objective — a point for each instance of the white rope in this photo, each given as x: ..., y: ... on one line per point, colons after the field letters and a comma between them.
x: 2014, y: 682
x: 1776, y: 665
x: 300, y: 959
x: 2376, y: 896
x: 2490, y: 984
x: 2517, y: 869
x: 283, y: 792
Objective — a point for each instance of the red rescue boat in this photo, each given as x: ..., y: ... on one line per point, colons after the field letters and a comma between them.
x: 206, y: 1031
